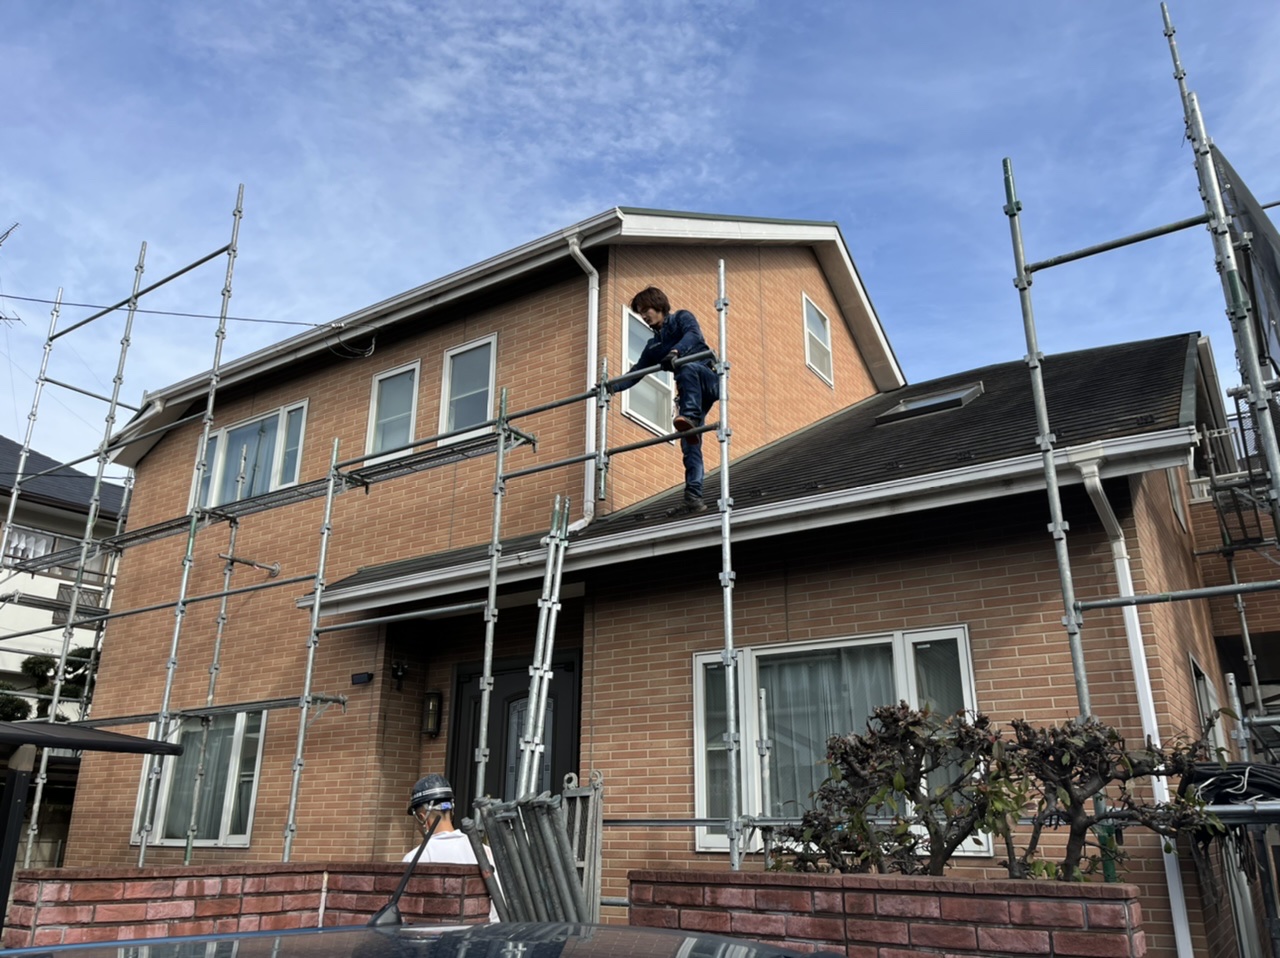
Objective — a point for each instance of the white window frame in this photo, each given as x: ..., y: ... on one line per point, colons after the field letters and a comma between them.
x: 748, y: 684
x: 662, y: 382
x: 446, y: 383
x: 372, y: 456
x: 805, y: 303
x: 224, y: 840
x: 216, y: 468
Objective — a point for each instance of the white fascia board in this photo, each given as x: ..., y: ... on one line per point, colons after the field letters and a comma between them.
x: 1121, y: 457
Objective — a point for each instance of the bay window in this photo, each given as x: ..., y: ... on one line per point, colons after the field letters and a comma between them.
x: 795, y: 696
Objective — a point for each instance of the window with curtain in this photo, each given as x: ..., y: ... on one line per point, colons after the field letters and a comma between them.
x: 393, y: 409
x: 467, y: 398
x: 268, y: 447
x: 223, y: 796
x: 817, y: 340
x: 651, y: 401
x: 800, y: 694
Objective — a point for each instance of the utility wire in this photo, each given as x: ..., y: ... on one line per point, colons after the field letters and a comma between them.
x: 166, y: 312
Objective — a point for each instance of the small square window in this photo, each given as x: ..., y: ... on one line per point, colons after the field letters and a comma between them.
x: 817, y: 341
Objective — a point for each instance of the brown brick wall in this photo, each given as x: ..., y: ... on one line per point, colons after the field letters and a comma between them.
x: 73, y: 906
x: 870, y: 916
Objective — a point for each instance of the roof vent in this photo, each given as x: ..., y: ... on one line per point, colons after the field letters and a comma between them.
x: 931, y: 402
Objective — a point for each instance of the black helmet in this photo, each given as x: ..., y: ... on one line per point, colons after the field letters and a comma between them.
x: 433, y: 790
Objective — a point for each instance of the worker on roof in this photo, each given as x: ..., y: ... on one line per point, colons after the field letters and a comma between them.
x: 676, y: 336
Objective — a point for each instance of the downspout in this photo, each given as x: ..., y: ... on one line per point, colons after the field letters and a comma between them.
x: 1087, y: 462
x: 593, y: 361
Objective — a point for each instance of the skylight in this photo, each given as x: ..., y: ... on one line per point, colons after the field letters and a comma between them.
x: 931, y: 402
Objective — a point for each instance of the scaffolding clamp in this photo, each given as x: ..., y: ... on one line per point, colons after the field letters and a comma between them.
x: 272, y: 570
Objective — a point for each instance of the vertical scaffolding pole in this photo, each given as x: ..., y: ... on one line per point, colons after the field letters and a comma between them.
x: 1045, y: 439
x: 313, y: 640
x: 31, y: 425
x: 531, y: 745
x: 86, y: 540
x: 193, y: 527
x: 108, y: 589
x: 215, y: 664
x: 491, y: 602
x: 732, y: 739
x: 1237, y: 299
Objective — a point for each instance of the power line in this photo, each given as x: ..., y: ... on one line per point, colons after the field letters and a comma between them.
x: 166, y: 312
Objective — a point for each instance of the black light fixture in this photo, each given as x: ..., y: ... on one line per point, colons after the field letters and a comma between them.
x: 398, y: 671
x: 432, y: 702
x: 361, y: 678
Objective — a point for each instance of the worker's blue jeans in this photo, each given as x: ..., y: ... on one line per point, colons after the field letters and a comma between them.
x: 697, y: 390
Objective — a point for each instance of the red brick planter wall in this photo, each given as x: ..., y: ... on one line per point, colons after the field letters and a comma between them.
x: 871, y: 916
x: 67, y: 905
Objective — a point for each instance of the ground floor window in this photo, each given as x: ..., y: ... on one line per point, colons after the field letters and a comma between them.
x: 793, y: 697
x: 224, y: 799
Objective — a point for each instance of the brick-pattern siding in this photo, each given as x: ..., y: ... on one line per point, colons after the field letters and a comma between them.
x: 70, y: 906
x: 872, y: 916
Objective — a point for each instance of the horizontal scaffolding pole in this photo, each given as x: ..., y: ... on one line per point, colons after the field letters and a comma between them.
x: 440, y: 612
x: 85, y: 392
x: 1208, y: 592
x: 259, y: 705
x: 115, y: 446
x: 160, y: 607
x: 629, y: 447
x: 1126, y: 241
x: 140, y: 293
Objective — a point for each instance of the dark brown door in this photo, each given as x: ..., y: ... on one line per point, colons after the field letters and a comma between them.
x: 508, y: 706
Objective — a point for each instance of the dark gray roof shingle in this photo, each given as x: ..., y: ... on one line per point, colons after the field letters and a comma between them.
x: 66, y: 487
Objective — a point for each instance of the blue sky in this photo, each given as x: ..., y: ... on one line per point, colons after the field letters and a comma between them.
x: 385, y: 143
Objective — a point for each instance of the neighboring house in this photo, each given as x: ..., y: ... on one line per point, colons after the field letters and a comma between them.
x: 49, y: 517
x: 889, y: 542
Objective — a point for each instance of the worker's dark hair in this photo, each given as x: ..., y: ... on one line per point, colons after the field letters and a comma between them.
x: 651, y: 298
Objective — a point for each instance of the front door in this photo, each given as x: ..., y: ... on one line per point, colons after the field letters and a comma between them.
x: 508, y: 711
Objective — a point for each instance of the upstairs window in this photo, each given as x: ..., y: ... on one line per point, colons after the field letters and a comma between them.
x: 271, y: 447
x: 817, y: 341
x: 227, y: 790
x: 651, y: 401
x: 393, y: 409
x: 467, y: 398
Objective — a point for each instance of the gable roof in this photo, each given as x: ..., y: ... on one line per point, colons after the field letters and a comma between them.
x: 65, y: 489
x: 621, y: 225
x: 1134, y: 407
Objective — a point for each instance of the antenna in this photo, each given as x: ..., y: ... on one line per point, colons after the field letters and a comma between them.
x: 5, y: 235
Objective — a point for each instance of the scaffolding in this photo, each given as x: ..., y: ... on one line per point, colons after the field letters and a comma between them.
x: 1239, y: 500
x: 498, y: 436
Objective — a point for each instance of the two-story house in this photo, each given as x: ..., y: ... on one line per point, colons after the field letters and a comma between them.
x: 888, y: 543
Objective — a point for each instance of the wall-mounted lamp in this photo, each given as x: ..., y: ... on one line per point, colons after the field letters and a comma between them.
x: 361, y: 678
x: 398, y: 671
x: 431, y: 705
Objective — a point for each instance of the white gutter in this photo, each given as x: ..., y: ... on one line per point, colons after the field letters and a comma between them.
x: 593, y: 363
x: 1088, y: 459
x: 1007, y: 477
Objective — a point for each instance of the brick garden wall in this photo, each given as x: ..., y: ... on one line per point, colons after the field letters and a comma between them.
x: 873, y: 916
x: 68, y: 906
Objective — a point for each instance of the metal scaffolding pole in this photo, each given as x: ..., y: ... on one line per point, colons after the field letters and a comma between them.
x: 86, y: 540
x: 16, y: 488
x: 313, y: 640
x: 732, y: 740
x: 491, y: 604
x: 540, y: 671
x: 108, y: 589
x: 1045, y: 440
x: 215, y: 666
x: 156, y: 763
x: 1239, y: 309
